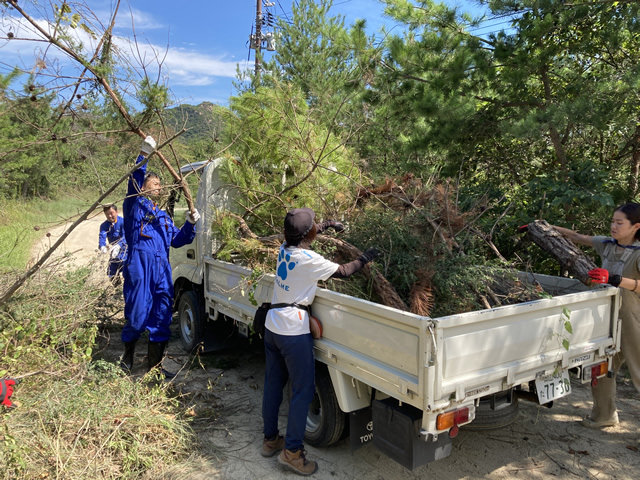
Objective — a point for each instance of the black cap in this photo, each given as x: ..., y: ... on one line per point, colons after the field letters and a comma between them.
x: 298, y: 222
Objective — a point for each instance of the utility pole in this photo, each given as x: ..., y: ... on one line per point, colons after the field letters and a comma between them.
x: 258, y: 41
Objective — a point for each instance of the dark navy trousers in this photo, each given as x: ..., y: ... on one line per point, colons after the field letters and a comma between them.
x: 288, y: 358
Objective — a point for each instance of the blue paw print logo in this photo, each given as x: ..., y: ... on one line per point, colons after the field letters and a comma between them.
x: 284, y: 265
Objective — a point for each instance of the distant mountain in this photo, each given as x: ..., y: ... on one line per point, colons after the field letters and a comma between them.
x: 203, y: 122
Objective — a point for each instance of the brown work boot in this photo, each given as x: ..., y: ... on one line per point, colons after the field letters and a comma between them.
x: 297, y: 462
x: 271, y: 447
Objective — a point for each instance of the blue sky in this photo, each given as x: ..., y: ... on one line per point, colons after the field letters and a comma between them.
x: 199, y: 43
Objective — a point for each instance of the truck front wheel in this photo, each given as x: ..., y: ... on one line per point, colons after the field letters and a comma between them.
x: 325, y: 421
x: 190, y: 318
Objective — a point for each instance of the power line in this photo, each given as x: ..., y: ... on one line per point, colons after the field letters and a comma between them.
x: 285, y: 13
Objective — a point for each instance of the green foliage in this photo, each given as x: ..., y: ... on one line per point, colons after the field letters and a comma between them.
x: 283, y: 159
x: 204, y: 122
x: 152, y: 95
x: 396, y: 235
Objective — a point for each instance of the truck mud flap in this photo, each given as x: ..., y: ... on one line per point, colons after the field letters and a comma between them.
x: 360, y: 428
x: 396, y: 433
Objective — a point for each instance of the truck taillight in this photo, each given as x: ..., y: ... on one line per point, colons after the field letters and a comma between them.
x: 589, y: 372
x: 447, y: 420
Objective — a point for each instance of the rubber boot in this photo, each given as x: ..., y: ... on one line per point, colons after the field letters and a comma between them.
x: 155, y: 355
x: 126, y: 363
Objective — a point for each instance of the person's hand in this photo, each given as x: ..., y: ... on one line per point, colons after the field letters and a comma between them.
x: 602, y: 275
x: 369, y: 255
x: 115, y: 251
x: 148, y: 145
x: 193, y: 217
x: 103, y: 249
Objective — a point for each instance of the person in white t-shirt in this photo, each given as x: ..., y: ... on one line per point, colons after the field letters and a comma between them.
x: 288, y: 343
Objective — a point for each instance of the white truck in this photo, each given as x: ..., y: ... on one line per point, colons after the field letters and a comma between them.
x: 403, y: 381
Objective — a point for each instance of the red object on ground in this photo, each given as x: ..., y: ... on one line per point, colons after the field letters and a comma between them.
x: 6, y: 390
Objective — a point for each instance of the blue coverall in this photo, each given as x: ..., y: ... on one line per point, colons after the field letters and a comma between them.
x: 148, y: 289
x: 110, y: 235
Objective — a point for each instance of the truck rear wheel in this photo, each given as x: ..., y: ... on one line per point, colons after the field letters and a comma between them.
x: 190, y: 319
x: 325, y: 420
x: 495, y: 411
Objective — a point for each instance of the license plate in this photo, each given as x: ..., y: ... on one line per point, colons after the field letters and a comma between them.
x: 553, y: 386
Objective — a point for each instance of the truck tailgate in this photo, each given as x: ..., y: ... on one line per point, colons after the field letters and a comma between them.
x: 491, y: 350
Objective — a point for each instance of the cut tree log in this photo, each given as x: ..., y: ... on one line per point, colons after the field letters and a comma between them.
x: 562, y: 249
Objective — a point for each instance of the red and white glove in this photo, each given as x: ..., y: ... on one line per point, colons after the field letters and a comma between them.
x: 602, y: 275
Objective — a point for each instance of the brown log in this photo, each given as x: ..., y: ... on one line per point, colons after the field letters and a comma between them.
x: 562, y: 249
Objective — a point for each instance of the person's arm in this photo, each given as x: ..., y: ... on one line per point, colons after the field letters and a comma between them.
x: 337, y: 226
x: 136, y: 179
x: 347, y: 269
x: 575, y: 237
x: 187, y: 233
x: 102, y: 237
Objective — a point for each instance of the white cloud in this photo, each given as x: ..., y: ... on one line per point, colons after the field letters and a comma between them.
x: 182, y: 66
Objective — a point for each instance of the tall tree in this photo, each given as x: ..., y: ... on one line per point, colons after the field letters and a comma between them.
x: 532, y: 102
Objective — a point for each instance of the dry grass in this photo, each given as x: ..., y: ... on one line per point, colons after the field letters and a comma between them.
x: 79, y: 418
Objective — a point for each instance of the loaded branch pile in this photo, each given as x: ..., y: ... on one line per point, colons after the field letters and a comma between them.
x: 422, y: 234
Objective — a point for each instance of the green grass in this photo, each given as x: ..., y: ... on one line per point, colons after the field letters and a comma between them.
x: 23, y: 222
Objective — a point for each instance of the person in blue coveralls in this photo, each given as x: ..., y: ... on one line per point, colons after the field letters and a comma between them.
x: 288, y: 344
x: 111, y: 241
x: 148, y: 289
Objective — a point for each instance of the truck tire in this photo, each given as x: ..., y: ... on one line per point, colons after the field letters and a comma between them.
x: 190, y: 320
x: 497, y: 412
x: 325, y: 421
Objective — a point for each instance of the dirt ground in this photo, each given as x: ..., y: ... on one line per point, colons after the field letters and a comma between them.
x: 224, y: 389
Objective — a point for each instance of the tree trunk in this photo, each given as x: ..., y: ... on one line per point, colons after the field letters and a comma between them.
x: 563, y: 250
x: 635, y: 164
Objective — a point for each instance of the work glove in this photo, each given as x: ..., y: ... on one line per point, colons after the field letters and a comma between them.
x: 103, y: 249
x: 602, y: 275
x: 115, y: 251
x: 193, y: 217
x: 337, y: 226
x: 148, y: 145
x: 369, y: 255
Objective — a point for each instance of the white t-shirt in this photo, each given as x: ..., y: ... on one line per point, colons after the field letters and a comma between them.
x: 297, y: 275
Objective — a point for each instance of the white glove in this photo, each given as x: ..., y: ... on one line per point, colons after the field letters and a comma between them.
x: 193, y: 217
x: 148, y: 146
x: 115, y: 251
x: 103, y: 249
